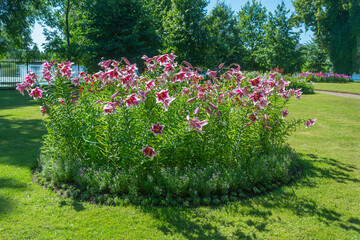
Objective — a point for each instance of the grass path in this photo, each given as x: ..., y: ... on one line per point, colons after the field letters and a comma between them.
x: 353, y: 87
x: 322, y: 205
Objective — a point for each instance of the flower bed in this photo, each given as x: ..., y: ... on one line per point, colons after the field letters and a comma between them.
x: 323, y: 77
x: 168, y: 136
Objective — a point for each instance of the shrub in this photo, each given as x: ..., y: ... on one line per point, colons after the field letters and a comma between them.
x: 302, y: 84
x: 169, y: 133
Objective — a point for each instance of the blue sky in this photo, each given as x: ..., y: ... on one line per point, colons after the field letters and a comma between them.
x: 236, y: 5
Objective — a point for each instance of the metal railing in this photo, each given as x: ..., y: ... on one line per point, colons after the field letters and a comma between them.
x: 13, y: 72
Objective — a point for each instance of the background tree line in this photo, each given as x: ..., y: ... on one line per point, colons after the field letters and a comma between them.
x: 86, y: 30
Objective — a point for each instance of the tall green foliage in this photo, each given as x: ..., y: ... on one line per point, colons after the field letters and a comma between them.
x: 253, y: 17
x: 337, y: 29
x: 16, y: 19
x: 117, y: 28
x: 314, y: 58
x: 185, y: 32
x: 224, y: 40
x: 280, y: 42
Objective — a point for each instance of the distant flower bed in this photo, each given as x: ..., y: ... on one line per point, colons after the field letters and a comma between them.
x: 302, y: 84
x: 168, y: 136
x: 323, y: 77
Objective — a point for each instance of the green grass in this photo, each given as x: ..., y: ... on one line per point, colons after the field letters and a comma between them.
x: 322, y: 205
x: 353, y: 87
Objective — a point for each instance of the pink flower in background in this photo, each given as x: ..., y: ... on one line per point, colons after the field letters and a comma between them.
x: 188, y: 64
x: 255, y: 82
x: 148, y: 152
x: 196, y: 111
x: 298, y: 94
x: 163, y: 59
x: 269, y: 128
x: 257, y: 96
x: 150, y: 84
x: 195, y: 123
x: 211, y: 73
x: 162, y: 96
x: 31, y: 78
x: 310, y: 122
x: 109, y: 108
x: 285, y: 113
x: 167, y: 103
x: 252, y: 117
x: 157, y: 129
x: 126, y: 61
x: 132, y: 100
x: 114, y: 95
x: 23, y: 86
x: 36, y: 93
x: 169, y: 68
x: 213, y: 106
x: 75, y: 81
x: 143, y: 94
x: 105, y: 64
x: 65, y: 69
x: 43, y: 110
x: 62, y: 101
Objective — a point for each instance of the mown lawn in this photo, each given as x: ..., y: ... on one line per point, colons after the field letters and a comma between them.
x: 353, y: 87
x: 324, y: 204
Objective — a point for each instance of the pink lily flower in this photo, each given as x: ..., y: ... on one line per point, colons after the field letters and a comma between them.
x: 257, y: 96
x: 285, y: 113
x: 310, y: 122
x: 196, y: 111
x: 132, y: 100
x: 213, y: 106
x: 167, y: 103
x: 255, y: 82
x: 109, y: 108
x: 114, y: 95
x: 126, y: 61
x: 75, y: 81
x: 31, y: 78
x: 157, y: 129
x: 36, y: 93
x: 143, y: 94
x: 62, y: 101
x: 148, y: 152
x: 150, y: 84
x: 162, y: 96
x: 188, y: 64
x: 43, y: 110
x: 211, y: 73
x: 23, y: 86
x: 252, y: 117
x: 195, y: 123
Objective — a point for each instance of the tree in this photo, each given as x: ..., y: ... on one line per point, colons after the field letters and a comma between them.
x: 280, y: 42
x: 62, y: 16
x: 224, y: 42
x: 16, y: 20
x: 337, y: 29
x: 314, y: 58
x: 185, y: 31
x: 253, y: 17
x: 116, y: 28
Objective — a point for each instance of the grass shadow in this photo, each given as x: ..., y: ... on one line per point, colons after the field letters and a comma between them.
x: 326, y: 168
x: 13, y: 99
x: 256, y: 213
x: 20, y: 141
x: 6, y: 203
